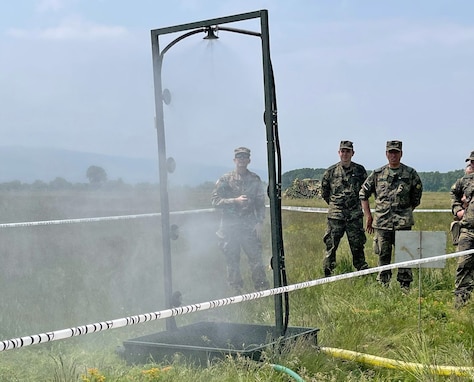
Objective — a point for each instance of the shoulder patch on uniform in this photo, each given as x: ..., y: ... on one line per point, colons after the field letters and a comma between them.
x: 380, y: 169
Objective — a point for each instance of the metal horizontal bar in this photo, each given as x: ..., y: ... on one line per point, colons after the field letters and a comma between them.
x: 206, y: 23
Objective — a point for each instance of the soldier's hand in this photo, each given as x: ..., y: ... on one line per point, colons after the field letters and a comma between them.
x: 368, y: 227
x: 241, y: 199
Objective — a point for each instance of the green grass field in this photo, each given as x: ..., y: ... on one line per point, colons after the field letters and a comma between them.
x: 59, y: 276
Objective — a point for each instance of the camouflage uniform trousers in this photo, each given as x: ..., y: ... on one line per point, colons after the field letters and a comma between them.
x: 464, y: 282
x: 231, y: 242
x: 335, y: 230
x: 384, y: 241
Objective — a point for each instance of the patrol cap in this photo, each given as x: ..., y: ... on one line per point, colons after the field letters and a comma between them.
x: 241, y: 152
x: 394, y: 145
x: 471, y: 157
x: 346, y: 145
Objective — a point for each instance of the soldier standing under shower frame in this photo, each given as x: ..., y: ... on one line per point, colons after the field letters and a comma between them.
x: 240, y: 196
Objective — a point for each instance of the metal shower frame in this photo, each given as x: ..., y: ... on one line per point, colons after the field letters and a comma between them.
x: 273, y: 154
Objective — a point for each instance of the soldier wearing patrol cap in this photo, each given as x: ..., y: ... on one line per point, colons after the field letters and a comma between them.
x: 397, y: 189
x: 340, y: 187
x: 462, y: 193
x: 471, y: 157
x: 455, y: 226
x: 240, y: 197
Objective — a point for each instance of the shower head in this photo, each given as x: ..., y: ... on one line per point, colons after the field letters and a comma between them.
x: 210, y: 33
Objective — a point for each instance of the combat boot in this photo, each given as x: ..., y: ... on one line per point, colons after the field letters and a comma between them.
x: 461, y: 299
x: 405, y: 286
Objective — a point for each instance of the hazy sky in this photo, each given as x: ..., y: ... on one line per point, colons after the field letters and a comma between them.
x: 77, y: 74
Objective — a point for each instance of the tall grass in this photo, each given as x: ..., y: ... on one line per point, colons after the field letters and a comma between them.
x: 55, y: 277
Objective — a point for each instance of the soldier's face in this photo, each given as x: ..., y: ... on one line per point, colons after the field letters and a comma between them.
x: 242, y: 161
x: 470, y: 168
x: 346, y: 156
x: 393, y: 157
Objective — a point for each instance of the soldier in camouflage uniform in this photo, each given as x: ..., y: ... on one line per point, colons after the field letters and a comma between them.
x: 240, y: 196
x: 455, y: 227
x: 340, y: 187
x: 461, y: 194
x: 397, y: 189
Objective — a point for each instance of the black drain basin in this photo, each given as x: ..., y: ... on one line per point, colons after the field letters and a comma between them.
x: 204, y: 341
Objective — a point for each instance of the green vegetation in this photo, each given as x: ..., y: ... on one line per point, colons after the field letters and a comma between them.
x: 432, y: 181
x: 58, y: 276
x: 97, y: 176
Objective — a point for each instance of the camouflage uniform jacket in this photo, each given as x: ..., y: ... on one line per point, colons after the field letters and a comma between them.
x: 231, y: 186
x: 397, y: 193
x: 463, y: 186
x: 340, y: 189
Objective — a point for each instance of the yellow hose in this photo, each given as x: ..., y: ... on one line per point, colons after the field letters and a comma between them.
x: 394, y: 364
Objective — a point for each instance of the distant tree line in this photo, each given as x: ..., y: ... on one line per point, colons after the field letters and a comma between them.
x: 432, y: 181
x: 96, y: 175
x: 60, y: 183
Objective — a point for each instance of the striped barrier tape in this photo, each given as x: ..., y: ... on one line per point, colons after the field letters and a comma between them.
x: 20, y: 342
x: 157, y: 214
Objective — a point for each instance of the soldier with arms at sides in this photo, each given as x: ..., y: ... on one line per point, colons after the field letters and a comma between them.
x: 340, y: 187
x: 397, y: 189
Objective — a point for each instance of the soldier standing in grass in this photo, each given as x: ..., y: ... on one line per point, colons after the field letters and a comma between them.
x: 462, y: 193
x: 455, y: 227
x: 340, y: 187
x: 240, y: 196
x: 397, y: 189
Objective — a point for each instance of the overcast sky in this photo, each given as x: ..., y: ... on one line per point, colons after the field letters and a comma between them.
x: 77, y: 74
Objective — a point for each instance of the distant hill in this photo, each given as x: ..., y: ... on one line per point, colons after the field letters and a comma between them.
x: 27, y: 165
x: 30, y: 164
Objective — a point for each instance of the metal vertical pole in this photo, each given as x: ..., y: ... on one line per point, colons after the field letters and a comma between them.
x: 163, y: 173
x: 273, y: 192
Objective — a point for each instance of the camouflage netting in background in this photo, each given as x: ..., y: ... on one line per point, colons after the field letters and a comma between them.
x: 303, y: 189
